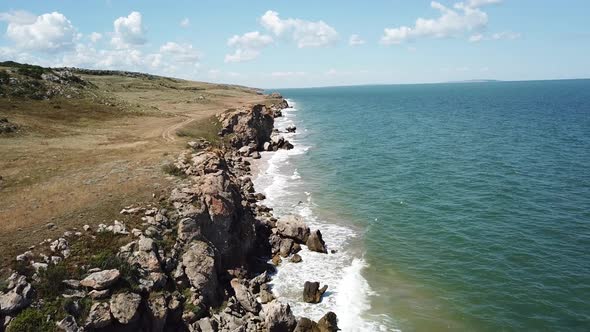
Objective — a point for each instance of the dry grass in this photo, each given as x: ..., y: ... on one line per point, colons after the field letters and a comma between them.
x: 79, y: 161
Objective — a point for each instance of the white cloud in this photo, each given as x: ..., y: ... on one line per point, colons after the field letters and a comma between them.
x: 184, y: 53
x: 452, y: 22
x: 50, y: 32
x: 481, y: 3
x: 129, y: 31
x: 304, y: 33
x: 509, y: 35
x: 286, y: 74
x: 355, y: 40
x: 95, y: 36
x: 185, y: 22
x: 247, y: 46
x: 505, y: 35
x: 476, y: 38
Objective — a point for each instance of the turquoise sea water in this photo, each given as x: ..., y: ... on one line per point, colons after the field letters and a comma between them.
x: 470, y: 203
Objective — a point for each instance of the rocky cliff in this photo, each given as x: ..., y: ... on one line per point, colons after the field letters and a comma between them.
x: 198, y: 262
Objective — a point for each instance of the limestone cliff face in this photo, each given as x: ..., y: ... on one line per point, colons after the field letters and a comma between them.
x: 250, y: 127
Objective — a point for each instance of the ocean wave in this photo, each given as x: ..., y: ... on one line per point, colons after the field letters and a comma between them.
x: 348, y: 293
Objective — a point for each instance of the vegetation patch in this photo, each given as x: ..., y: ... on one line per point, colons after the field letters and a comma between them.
x: 31, y: 320
x: 172, y: 169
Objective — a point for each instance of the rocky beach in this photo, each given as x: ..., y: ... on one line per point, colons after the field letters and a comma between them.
x: 200, y: 260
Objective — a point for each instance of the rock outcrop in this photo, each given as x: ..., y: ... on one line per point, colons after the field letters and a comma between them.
x: 248, y: 126
x: 312, y: 293
x: 315, y: 242
x: 197, y: 264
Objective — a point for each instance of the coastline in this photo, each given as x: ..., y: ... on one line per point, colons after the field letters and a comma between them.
x: 277, y: 177
x: 194, y: 263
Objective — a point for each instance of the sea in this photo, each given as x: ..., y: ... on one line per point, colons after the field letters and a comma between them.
x: 449, y: 207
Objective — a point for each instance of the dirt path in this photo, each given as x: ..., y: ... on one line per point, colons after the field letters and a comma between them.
x: 169, y: 133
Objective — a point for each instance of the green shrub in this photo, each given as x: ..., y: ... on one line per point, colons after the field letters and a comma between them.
x: 31, y: 320
x: 4, y: 77
x: 49, y: 284
x: 172, y: 169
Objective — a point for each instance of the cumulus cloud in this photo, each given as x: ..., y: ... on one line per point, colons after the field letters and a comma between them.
x: 355, y: 40
x: 129, y: 31
x: 185, y: 22
x: 95, y: 36
x: 247, y: 46
x: 184, y: 53
x: 50, y: 32
x: 456, y: 21
x: 304, y: 33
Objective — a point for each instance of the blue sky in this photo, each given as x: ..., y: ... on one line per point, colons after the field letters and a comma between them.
x: 285, y: 43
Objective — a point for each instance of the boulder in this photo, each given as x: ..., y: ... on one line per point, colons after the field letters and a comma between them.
x: 245, y: 297
x: 99, y: 294
x: 125, y: 307
x: 207, y: 325
x: 101, y: 280
x: 286, y: 247
x: 312, y: 293
x: 18, y: 298
x: 291, y: 129
x: 328, y: 323
x: 68, y: 324
x: 296, y: 259
x: 315, y: 242
x: 158, y: 309
x: 279, y: 317
x: 199, y: 266
x: 293, y: 227
x: 306, y: 325
x: 99, y: 316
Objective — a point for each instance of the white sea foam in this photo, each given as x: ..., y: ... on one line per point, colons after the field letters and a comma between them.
x: 348, y: 292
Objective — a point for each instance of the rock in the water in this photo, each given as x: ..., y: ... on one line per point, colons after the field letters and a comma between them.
x: 312, y: 293
x: 125, y: 307
x: 99, y: 316
x: 296, y: 259
x: 291, y: 129
x: 293, y: 227
x: 101, y: 280
x: 315, y: 242
x: 328, y: 323
x: 306, y: 325
x: 279, y: 317
x: 246, y: 299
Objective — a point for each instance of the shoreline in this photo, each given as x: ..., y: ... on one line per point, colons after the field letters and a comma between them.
x: 276, y: 175
x: 206, y: 244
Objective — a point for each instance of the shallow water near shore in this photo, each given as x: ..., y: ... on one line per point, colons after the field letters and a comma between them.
x: 452, y: 206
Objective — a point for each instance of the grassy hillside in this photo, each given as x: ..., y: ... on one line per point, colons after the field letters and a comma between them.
x: 90, y: 142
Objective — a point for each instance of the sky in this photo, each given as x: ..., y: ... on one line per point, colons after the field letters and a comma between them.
x: 304, y: 43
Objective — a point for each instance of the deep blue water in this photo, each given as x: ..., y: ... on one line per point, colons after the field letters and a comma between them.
x: 473, y: 199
